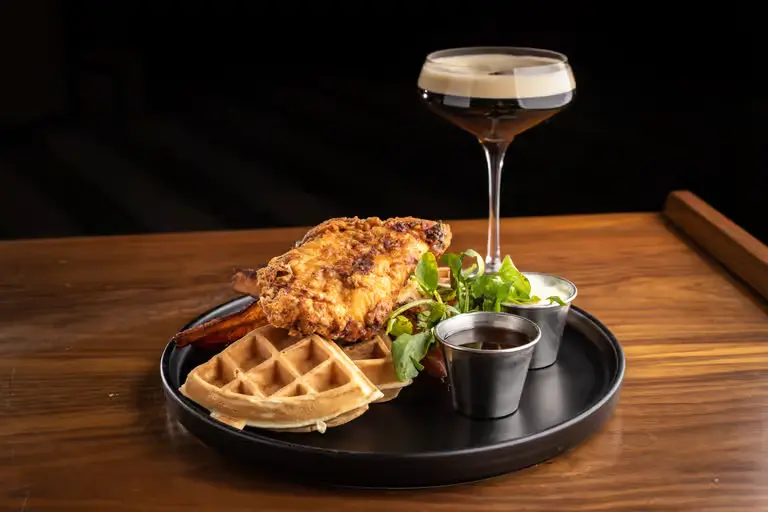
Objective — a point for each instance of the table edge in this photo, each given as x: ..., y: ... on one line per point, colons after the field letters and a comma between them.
x: 734, y: 248
x: 300, y: 230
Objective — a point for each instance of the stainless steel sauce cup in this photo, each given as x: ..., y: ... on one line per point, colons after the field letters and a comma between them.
x: 550, y: 318
x: 487, y: 383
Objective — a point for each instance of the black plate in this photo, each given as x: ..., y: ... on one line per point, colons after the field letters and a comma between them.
x: 417, y: 440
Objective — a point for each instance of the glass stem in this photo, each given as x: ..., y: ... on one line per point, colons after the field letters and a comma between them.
x: 494, y: 154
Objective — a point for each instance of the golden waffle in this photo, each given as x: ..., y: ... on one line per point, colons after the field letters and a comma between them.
x: 444, y: 276
x: 374, y: 358
x: 319, y: 426
x: 268, y: 379
x: 333, y: 422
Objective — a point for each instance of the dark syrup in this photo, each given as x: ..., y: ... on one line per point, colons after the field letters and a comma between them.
x: 488, y: 338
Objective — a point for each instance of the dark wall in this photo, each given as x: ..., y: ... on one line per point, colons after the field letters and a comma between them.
x: 207, y: 115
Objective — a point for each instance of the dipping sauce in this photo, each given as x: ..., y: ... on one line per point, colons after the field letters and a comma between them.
x: 487, y: 337
x: 545, y: 286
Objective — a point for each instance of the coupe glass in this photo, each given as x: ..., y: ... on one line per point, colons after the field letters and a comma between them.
x: 495, y: 93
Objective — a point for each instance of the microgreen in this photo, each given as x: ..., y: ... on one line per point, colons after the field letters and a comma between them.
x: 470, y: 289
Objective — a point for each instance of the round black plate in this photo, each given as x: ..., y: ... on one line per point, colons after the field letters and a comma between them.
x: 417, y: 440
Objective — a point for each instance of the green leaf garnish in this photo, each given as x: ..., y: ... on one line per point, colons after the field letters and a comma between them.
x: 485, y: 285
x: 555, y: 298
x: 507, y: 270
x: 411, y: 305
x: 407, y: 352
x: 470, y: 289
x: 509, y: 273
x: 426, y: 272
x: 436, y: 314
x: 398, y: 325
x: 479, y: 264
x: 447, y: 293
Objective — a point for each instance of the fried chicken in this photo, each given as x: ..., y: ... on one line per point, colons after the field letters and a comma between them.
x: 342, y: 280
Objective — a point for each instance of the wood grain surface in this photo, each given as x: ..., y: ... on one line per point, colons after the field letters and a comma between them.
x: 738, y: 251
x: 83, y: 424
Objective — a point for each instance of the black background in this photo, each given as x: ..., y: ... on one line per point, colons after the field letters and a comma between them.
x: 120, y: 117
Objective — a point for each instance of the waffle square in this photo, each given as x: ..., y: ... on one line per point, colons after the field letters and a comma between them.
x: 374, y: 358
x: 269, y: 379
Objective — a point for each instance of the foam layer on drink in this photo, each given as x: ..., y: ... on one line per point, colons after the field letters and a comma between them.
x: 496, y: 76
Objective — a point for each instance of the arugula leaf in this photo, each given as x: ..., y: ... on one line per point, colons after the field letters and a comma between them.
x: 422, y: 318
x: 507, y: 269
x: 406, y: 307
x: 398, y: 325
x: 407, y: 352
x: 485, y: 286
x: 522, y: 301
x: 557, y: 299
x: 437, y: 314
x: 509, y: 273
x: 471, y: 289
x: 447, y: 294
x: 502, y: 292
x: 426, y: 272
x: 462, y: 278
x: 479, y: 264
x: 453, y: 262
x: 522, y: 285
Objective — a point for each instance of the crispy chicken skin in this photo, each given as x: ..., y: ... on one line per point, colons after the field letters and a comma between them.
x: 342, y: 280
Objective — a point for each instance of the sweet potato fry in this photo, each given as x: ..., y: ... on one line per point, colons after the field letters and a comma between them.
x: 223, y: 330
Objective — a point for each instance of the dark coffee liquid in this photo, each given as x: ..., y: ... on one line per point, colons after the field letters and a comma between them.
x: 495, y: 120
x: 488, y: 338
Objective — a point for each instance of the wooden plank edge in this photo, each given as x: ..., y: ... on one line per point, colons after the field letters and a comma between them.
x: 739, y: 252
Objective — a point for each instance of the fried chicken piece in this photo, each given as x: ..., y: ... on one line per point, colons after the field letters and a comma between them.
x: 244, y: 281
x: 231, y: 327
x: 391, y: 247
x: 342, y: 280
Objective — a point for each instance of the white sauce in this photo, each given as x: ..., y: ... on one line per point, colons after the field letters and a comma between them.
x: 544, y: 290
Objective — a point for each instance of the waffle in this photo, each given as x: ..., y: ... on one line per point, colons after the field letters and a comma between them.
x: 333, y: 422
x: 374, y: 358
x: 320, y: 426
x: 268, y: 379
x: 444, y: 276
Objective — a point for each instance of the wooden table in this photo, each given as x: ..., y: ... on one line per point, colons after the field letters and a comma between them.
x: 83, y: 425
